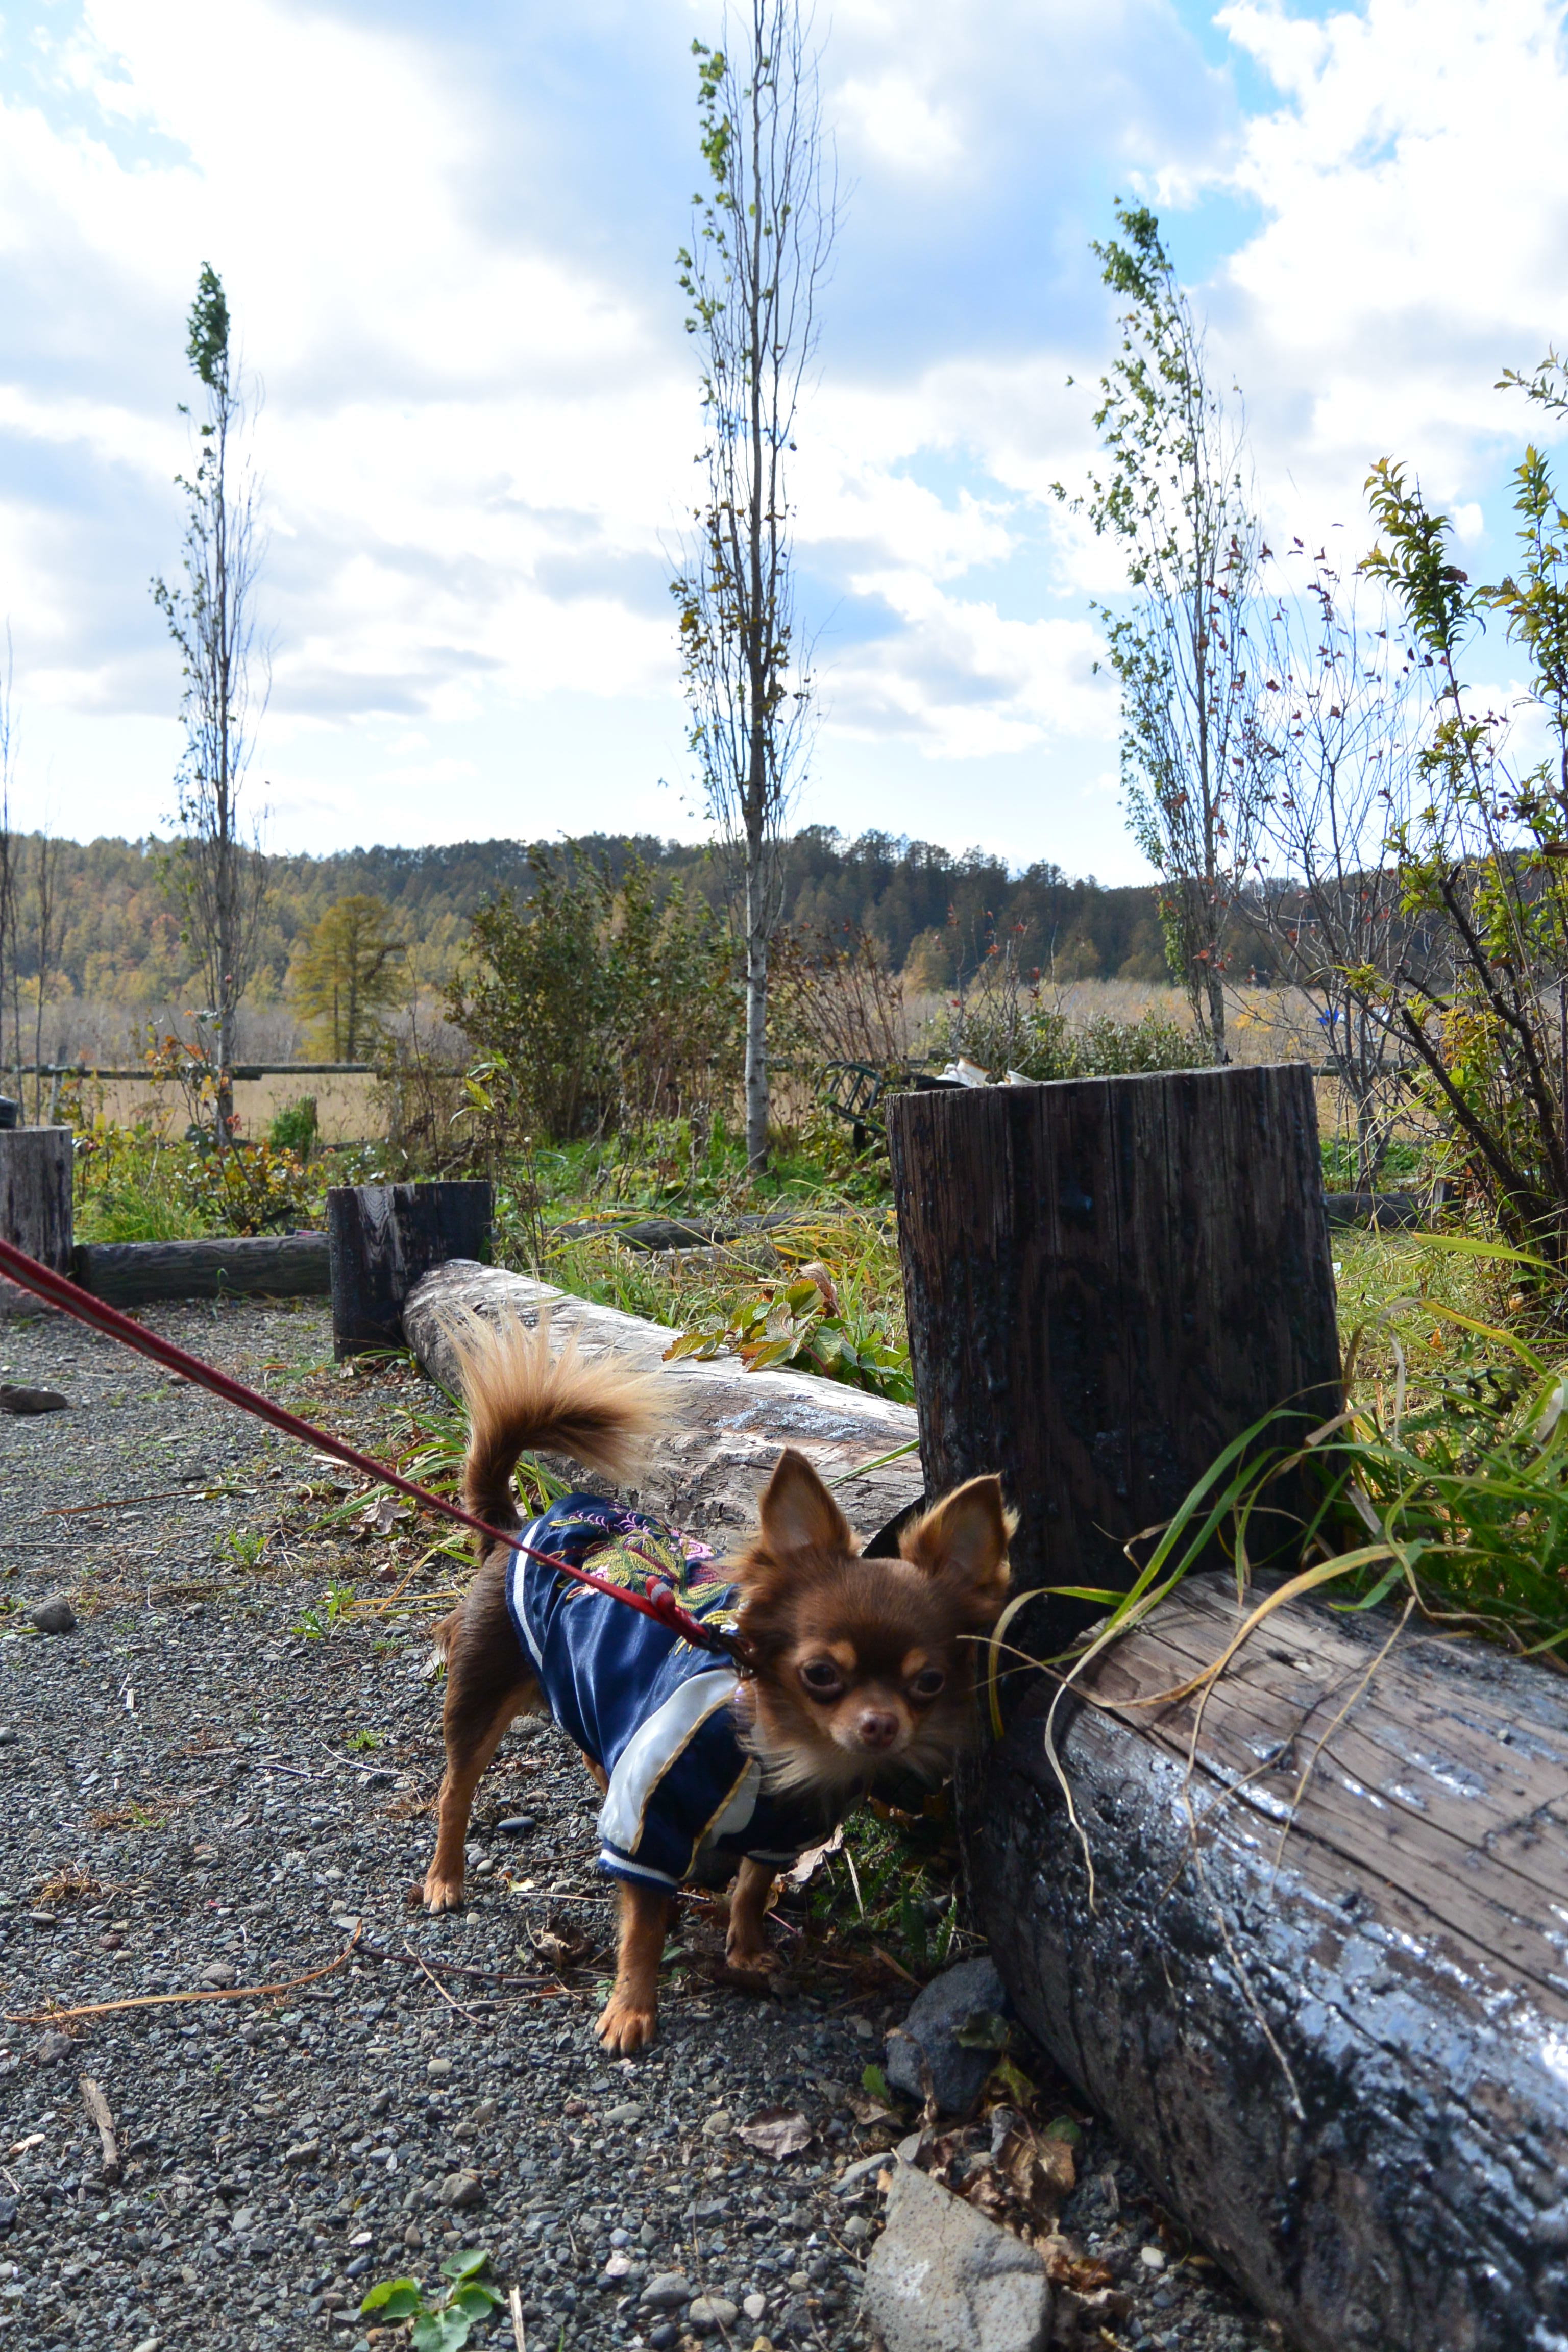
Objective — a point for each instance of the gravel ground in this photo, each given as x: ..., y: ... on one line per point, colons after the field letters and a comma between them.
x: 194, y: 1792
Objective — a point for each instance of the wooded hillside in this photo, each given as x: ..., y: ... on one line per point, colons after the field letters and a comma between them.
x: 118, y: 938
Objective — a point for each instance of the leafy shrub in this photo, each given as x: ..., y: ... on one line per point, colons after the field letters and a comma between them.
x: 248, y: 1188
x: 294, y: 1127
x: 598, y: 1004
x: 1021, y: 1033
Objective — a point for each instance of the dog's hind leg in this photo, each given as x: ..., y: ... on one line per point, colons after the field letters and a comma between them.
x: 488, y: 1683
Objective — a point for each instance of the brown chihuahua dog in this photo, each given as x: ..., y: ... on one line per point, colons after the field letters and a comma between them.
x: 853, y: 1663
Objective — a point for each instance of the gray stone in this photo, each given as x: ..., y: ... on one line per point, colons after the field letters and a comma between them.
x: 54, y: 1615
x: 52, y: 2046
x: 941, y: 2278
x: 461, y: 2189
x: 940, y: 2013
x: 517, y: 1825
x: 712, y: 2312
x: 628, y: 2112
x: 667, y: 2291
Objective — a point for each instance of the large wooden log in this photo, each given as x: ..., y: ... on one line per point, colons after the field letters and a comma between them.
x: 729, y: 1425
x: 1107, y: 1279
x: 36, y: 1165
x: 384, y: 1238
x: 1333, y: 2028
x: 281, y: 1265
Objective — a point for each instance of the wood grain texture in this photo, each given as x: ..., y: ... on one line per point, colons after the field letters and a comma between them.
x: 1107, y: 1281
x: 384, y: 1238
x: 729, y: 1423
x: 1401, y: 1931
x: 37, y: 1167
x: 280, y: 1266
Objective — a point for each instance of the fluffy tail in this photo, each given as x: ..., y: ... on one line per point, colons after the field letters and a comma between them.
x: 522, y: 1399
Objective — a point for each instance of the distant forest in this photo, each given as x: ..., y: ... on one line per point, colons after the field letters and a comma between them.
x: 116, y: 938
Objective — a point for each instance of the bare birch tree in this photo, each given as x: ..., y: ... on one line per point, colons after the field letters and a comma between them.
x: 762, y: 237
x: 216, y: 873
x: 1339, y: 728
x: 1175, y: 497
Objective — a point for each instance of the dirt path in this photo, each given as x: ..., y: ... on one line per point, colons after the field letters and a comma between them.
x: 193, y: 1789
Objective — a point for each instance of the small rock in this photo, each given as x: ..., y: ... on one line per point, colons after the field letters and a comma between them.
x: 302, y: 2151
x: 715, y: 2126
x: 857, y: 2229
x: 52, y: 2046
x: 628, y: 2112
x: 664, y: 2338
x: 754, y: 2306
x: 1152, y: 2258
x: 219, y: 1974
x: 54, y: 1615
x: 931, y: 2027
x: 517, y: 1825
x: 437, y: 2069
x: 712, y: 2312
x: 461, y: 2189
x: 667, y: 2290
x: 941, y: 2275
x: 22, y: 1401
x: 9, y: 1738
x: 7, y: 2215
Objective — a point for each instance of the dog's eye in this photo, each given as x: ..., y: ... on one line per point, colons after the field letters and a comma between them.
x: 928, y: 1683
x: 822, y: 1678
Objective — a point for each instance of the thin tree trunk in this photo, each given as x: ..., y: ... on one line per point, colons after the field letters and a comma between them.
x: 756, y: 1078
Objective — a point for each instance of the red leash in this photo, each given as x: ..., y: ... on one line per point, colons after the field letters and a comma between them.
x: 659, y: 1602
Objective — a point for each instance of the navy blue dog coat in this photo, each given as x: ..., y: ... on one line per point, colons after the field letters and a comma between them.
x: 657, y: 1714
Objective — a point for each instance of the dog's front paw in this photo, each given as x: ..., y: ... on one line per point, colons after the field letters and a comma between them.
x: 626, y: 2025
x: 749, y: 1960
x: 442, y: 1893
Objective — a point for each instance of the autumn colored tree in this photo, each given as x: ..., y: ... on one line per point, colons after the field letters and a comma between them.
x: 347, y: 975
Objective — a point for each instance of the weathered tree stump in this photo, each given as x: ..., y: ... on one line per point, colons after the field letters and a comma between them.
x: 36, y: 1170
x: 384, y: 1238
x: 1107, y: 1279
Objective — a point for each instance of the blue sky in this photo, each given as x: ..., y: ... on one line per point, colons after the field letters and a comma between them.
x: 447, y: 235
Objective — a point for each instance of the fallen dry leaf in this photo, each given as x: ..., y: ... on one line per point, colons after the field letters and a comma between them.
x: 776, y: 2131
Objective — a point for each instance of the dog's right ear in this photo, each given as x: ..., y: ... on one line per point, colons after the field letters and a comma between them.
x: 963, y: 1546
x: 798, y: 1514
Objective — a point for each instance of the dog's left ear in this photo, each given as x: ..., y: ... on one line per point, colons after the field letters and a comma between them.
x: 963, y: 1544
x: 798, y: 1514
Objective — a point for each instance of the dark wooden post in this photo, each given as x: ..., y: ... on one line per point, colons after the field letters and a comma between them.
x: 383, y: 1238
x: 36, y: 1167
x: 1107, y: 1279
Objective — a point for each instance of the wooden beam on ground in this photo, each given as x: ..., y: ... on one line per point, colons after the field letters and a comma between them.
x: 1321, y: 1990
x: 707, y: 1475
x: 280, y: 1265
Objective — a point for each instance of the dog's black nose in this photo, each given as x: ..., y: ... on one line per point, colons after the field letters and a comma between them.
x: 878, y: 1727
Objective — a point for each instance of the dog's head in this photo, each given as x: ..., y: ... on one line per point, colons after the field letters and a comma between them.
x: 861, y: 1662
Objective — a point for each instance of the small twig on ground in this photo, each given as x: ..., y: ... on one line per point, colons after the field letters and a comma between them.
x: 887, y: 1960
x: 167, y: 1999
x: 514, y: 2304
x: 483, y: 2023
x: 97, y: 2107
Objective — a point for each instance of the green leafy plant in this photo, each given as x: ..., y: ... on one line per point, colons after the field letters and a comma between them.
x: 243, y: 1547
x: 319, y: 1624
x: 799, y: 1323
x: 295, y: 1127
x: 363, y: 1739
x: 444, y: 2324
